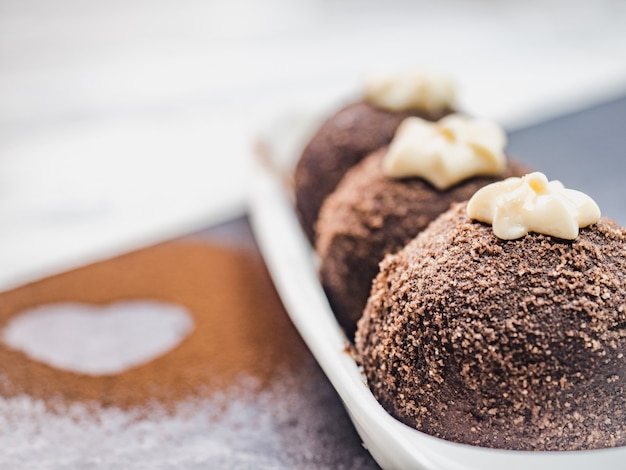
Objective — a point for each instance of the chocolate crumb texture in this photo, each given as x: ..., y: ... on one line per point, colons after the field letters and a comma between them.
x: 506, y: 344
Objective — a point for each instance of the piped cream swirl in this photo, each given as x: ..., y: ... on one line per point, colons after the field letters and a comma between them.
x: 427, y: 91
x: 517, y: 206
x: 446, y: 152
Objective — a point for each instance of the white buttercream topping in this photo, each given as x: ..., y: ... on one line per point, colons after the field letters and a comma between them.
x: 446, y: 152
x: 531, y: 203
x: 421, y: 90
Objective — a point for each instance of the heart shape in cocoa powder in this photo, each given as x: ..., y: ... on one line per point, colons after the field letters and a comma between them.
x: 98, y: 340
x: 228, y: 295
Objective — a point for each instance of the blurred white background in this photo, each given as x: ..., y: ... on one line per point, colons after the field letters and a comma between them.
x: 127, y: 122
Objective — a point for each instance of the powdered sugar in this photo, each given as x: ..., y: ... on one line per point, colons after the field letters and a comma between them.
x: 240, y: 429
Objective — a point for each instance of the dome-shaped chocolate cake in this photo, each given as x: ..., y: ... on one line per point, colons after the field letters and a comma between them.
x: 515, y: 344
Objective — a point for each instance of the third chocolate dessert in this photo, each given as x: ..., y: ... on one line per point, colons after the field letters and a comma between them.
x: 362, y: 127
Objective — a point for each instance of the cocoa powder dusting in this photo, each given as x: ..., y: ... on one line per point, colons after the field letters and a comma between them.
x: 240, y: 328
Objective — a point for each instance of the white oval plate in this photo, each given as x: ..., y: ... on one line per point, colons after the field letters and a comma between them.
x: 292, y: 265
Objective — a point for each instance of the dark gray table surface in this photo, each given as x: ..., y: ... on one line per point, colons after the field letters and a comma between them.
x: 585, y: 150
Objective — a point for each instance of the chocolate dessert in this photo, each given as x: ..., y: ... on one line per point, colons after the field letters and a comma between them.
x: 344, y: 139
x: 370, y: 215
x: 513, y: 343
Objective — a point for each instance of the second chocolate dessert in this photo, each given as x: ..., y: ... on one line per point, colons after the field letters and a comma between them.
x: 371, y: 214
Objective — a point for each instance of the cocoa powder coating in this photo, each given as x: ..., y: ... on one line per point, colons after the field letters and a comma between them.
x: 240, y: 328
x: 508, y: 344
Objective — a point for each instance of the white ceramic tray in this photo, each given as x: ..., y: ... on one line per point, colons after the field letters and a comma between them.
x: 293, y: 267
